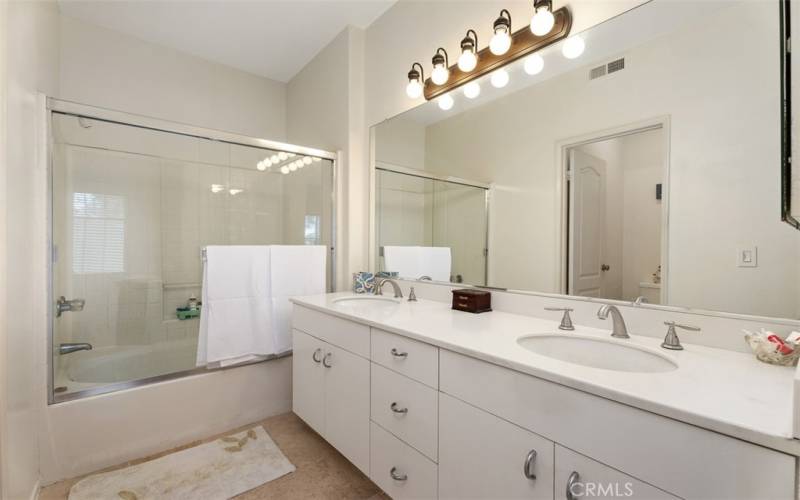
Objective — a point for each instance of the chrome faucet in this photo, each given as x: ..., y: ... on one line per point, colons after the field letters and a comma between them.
x: 619, y: 330
x: 398, y: 293
x: 566, y: 320
x: 73, y: 347
x: 640, y: 300
x: 424, y: 277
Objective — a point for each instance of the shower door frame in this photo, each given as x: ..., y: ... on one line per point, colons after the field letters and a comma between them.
x: 78, y: 110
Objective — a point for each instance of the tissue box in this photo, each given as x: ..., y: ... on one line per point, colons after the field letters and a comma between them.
x: 363, y: 282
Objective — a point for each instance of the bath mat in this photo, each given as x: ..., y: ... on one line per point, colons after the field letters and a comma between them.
x: 217, y: 470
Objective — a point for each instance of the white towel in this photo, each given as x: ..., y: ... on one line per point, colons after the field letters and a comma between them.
x: 246, y: 308
x: 294, y: 271
x: 235, y: 316
x: 413, y: 262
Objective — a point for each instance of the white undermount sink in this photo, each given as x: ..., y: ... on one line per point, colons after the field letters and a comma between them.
x: 370, y: 300
x: 610, y: 354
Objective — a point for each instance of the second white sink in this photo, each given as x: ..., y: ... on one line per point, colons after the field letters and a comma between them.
x: 595, y: 352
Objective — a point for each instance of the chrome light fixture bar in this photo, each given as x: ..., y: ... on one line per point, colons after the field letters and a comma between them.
x: 499, y: 52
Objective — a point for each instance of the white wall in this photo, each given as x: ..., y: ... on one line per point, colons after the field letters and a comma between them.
x: 108, y: 69
x: 32, y: 34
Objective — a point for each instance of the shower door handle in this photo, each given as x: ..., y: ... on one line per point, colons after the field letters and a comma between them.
x: 74, y: 305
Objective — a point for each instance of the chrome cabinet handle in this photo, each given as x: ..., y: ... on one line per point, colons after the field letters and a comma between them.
x: 396, y: 476
x: 316, y: 353
x: 572, y: 481
x: 527, y: 469
x: 395, y: 408
x: 398, y: 354
x: 326, y: 360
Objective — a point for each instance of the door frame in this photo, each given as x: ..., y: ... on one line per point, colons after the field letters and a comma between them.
x: 562, y: 194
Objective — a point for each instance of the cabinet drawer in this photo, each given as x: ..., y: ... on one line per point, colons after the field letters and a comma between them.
x: 412, y: 358
x: 348, y: 335
x: 578, y: 476
x: 482, y: 456
x: 406, y: 408
x: 399, y: 470
x: 685, y: 460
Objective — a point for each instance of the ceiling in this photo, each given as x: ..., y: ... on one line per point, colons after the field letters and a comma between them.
x: 270, y: 38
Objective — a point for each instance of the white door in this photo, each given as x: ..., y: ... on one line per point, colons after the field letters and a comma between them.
x: 308, y: 380
x: 587, y: 224
x: 578, y: 476
x: 483, y: 456
x: 347, y: 405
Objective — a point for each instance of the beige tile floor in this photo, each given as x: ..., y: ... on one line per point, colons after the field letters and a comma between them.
x: 321, y: 471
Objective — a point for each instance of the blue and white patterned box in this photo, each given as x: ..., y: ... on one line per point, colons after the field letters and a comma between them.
x: 363, y: 282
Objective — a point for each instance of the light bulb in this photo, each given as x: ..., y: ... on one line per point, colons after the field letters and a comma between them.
x: 293, y: 166
x: 573, y: 47
x: 472, y: 90
x: 500, y: 42
x: 284, y: 169
x: 307, y: 160
x: 440, y: 74
x: 467, y: 61
x: 499, y: 78
x: 268, y: 162
x: 234, y: 192
x: 414, y: 89
x: 445, y: 102
x: 534, y: 64
x: 261, y: 166
x: 542, y: 21
x: 274, y: 159
x: 282, y: 155
x: 216, y: 188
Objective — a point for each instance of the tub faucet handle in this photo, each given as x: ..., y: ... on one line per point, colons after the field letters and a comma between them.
x: 566, y: 320
x: 671, y: 341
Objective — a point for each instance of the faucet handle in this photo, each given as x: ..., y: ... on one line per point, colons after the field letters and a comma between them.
x: 566, y: 320
x: 671, y: 341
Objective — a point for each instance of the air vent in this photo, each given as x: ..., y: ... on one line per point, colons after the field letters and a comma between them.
x: 617, y: 65
x: 597, y: 72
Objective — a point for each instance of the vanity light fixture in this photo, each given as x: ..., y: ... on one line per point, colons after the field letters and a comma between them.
x: 234, y: 192
x: 293, y: 166
x: 534, y: 64
x: 499, y: 78
x: 285, y: 169
x: 472, y: 90
x: 261, y: 166
x: 501, y: 40
x: 216, y: 188
x: 440, y: 61
x: 446, y: 102
x: 469, y: 52
x: 274, y: 159
x: 573, y: 47
x: 307, y: 160
x: 543, y: 19
x: 282, y: 156
x: 316, y: 159
x: 415, y: 79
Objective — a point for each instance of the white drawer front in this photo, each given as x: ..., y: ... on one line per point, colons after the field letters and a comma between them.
x: 683, y: 459
x: 406, y: 408
x: 412, y: 358
x: 399, y: 470
x: 578, y: 476
x: 350, y: 336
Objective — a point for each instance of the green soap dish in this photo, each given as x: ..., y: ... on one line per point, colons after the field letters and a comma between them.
x: 187, y: 313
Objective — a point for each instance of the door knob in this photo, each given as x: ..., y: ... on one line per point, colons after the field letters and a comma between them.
x: 605, y: 267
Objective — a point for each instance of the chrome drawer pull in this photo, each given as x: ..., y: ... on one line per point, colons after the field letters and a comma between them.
x: 314, y: 356
x: 398, y: 354
x: 398, y: 410
x: 527, y: 469
x: 571, y: 482
x: 326, y: 360
x: 396, y: 476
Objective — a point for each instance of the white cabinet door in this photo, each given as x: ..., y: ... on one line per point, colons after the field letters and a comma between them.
x: 346, y: 403
x: 308, y: 380
x: 482, y: 456
x: 578, y: 476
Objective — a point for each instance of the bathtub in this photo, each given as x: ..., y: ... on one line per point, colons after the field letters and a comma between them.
x: 120, y: 364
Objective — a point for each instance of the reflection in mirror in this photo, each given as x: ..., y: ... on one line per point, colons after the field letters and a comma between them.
x: 647, y: 168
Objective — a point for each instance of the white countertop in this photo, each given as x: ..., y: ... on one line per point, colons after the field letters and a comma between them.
x: 728, y: 392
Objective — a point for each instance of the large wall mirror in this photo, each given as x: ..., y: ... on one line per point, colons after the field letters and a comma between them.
x: 647, y: 168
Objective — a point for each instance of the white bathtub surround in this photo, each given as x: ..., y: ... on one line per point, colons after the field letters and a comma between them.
x: 454, y: 406
x: 417, y: 261
x: 295, y: 270
x: 220, y: 469
x: 724, y: 391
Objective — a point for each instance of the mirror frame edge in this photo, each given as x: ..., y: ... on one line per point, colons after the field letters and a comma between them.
x: 786, y: 115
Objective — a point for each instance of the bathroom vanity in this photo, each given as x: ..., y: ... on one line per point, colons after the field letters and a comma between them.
x: 431, y: 402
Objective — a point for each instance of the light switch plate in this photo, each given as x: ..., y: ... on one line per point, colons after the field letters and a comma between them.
x: 747, y: 256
